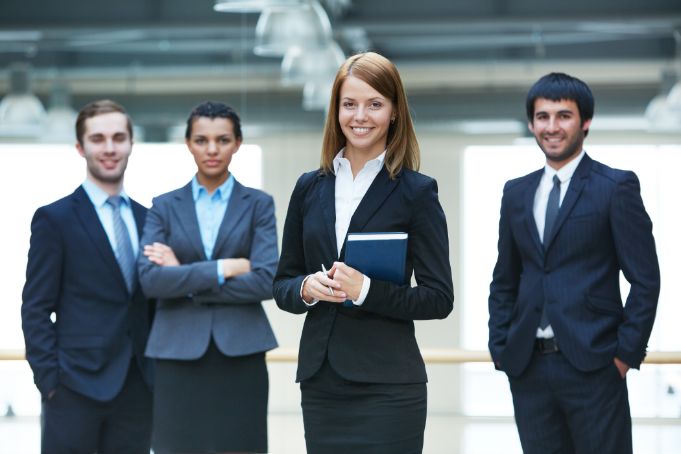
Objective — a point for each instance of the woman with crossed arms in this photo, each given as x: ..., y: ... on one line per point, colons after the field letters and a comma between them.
x: 210, y: 252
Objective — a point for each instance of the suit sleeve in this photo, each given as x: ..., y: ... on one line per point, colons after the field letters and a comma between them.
x: 635, y: 246
x: 428, y: 247
x: 504, y: 286
x: 40, y: 296
x: 256, y: 285
x: 171, y: 281
x: 291, y: 270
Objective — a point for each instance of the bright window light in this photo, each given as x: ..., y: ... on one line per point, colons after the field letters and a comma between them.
x: 34, y: 175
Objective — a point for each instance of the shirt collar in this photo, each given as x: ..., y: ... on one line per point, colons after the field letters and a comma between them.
x: 565, y: 172
x: 340, y: 159
x: 222, y: 192
x: 98, y: 196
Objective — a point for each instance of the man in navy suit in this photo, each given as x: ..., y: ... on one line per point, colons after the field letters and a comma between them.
x: 557, y: 324
x: 84, y: 317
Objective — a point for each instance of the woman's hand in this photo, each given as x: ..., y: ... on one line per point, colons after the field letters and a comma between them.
x: 160, y: 254
x: 320, y: 287
x: 350, y: 279
x: 235, y: 267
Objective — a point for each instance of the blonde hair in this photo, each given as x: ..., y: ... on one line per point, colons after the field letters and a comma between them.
x: 381, y: 74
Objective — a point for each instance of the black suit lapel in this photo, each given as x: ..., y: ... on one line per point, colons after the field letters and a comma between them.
x: 238, y: 204
x: 327, y: 196
x: 185, y: 212
x: 379, y: 190
x: 577, y: 183
x: 531, y: 223
x: 87, y: 216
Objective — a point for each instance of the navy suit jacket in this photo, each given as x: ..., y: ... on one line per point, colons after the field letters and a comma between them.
x: 72, y: 271
x: 602, y: 228
x: 374, y: 342
x: 192, y: 307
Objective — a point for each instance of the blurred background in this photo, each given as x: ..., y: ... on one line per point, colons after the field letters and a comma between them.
x: 466, y: 66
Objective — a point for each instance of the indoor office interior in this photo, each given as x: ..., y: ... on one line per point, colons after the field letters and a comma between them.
x: 466, y: 67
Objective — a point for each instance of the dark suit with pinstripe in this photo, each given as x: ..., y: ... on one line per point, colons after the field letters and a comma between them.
x: 602, y: 228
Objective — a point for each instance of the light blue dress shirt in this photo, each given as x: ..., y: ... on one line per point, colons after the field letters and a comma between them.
x: 210, y: 211
x: 98, y: 198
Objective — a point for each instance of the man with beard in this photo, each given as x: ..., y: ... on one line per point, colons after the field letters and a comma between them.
x: 558, y: 327
x: 84, y: 317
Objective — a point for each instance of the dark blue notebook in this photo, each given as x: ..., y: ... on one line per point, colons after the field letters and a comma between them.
x: 380, y: 256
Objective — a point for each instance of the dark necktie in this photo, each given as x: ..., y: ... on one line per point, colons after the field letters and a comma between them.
x: 124, y: 251
x: 551, y: 214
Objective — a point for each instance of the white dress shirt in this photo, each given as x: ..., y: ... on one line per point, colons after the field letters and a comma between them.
x: 541, y: 199
x: 349, y: 192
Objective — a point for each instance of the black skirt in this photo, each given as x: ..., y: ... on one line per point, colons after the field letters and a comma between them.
x: 344, y: 417
x: 214, y: 404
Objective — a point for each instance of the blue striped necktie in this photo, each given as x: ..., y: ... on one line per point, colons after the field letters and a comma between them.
x: 124, y: 251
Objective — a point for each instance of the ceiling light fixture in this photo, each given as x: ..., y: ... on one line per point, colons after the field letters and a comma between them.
x: 663, y: 113
x: 674, y: 96
x: 248, y: 6
x: 280, y: 28
x: 316, y: 95
x: 61, y: 118
x: 21, y: 112
x: 316, y: 64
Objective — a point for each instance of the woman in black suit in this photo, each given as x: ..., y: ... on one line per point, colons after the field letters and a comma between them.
x: 362, y: 378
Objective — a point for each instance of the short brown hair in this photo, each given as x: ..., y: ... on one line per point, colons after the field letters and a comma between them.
x: 102, y: 106
x: 382, y: 75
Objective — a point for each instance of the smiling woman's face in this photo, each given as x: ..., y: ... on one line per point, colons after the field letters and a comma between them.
x: 364, y: 116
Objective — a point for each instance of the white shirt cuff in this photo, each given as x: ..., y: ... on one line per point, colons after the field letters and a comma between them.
x: 366, y: 283
x: 315, y: 301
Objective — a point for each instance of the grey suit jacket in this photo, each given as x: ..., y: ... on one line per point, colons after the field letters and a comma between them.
x: 192, y: 307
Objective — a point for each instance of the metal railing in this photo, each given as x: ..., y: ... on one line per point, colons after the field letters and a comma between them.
x: 430, y: 356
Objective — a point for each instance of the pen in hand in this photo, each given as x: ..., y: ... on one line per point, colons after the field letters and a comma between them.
x: 326, y: 274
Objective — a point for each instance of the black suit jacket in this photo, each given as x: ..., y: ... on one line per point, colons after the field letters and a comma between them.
x: 602, y: 228
x: 374, y: 342
x: 72, y: 271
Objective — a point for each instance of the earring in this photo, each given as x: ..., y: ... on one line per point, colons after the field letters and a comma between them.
x: 392, y: 120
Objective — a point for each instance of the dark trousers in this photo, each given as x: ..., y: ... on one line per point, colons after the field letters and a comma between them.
x: 561, y: 410
x: 75, y: 424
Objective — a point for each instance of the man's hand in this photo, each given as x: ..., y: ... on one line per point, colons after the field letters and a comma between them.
x: 622, y: 367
